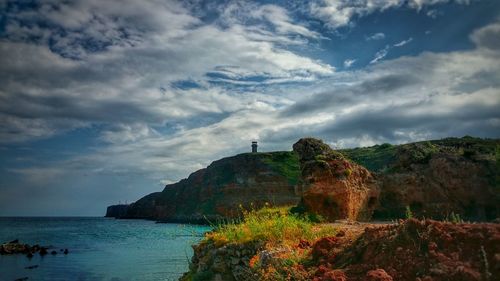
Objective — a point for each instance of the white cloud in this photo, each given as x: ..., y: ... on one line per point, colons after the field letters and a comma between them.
x: 380, y: 55
x: 141, y: 48
x: 432, y: 14
x: 339, y: 13
x: 375, y: 36
x: 383, y: 53
x: 349, y: 62
x: 404, y: 42
x: 400, y: 100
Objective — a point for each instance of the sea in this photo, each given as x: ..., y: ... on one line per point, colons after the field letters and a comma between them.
x: 100, y: 249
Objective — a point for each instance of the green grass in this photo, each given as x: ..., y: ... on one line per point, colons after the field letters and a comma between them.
x: 381, y: 158
x: 273, y: 225
x: 285, y: 163
x: 375, y: 158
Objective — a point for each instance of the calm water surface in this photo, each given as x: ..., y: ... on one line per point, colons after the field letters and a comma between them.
x: 100, y: 249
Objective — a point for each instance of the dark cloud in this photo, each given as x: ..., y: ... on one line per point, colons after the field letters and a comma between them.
x: 342, y: 97
x: 389, y: 123
x: 63, y: 106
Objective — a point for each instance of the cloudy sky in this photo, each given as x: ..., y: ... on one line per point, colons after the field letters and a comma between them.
x: 104, y: 101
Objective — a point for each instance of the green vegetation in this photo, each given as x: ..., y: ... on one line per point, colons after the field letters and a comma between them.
x: 275, y: 228
x: 420, y: 152
x: 385, y: 157
x: 375, y: 158
x: 408, y: 213
x: 300, y: 211
x: 285, y: 163
x: 273, y: 225
x: 201, y: 276
x: 455, y: 218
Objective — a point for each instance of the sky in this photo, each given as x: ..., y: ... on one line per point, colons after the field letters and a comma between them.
x: 105, y: 101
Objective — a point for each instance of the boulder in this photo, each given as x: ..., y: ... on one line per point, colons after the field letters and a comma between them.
x: 333, y: 186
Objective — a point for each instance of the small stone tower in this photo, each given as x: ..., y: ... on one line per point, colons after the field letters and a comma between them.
x: 254, y: 147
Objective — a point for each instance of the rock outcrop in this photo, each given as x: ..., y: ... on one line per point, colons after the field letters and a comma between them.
x: 220, y: 190
x: 333, y: 186
x: 229, y: 262
x: 15, y: 247
x: 436, y: 179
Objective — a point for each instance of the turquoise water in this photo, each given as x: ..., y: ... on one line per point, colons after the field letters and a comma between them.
x: 100, y: 249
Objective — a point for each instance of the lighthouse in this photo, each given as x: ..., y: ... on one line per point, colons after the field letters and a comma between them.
x: 254, y: 147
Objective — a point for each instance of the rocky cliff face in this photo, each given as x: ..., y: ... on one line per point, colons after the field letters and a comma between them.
x: 434, y: 179
x: 332, y: 185
x: 116, y: 211
x: 218, y: 190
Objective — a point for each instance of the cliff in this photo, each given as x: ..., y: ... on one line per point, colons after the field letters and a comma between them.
x: 435, y: 179
x: 223, y: 188
x: 116, y: 211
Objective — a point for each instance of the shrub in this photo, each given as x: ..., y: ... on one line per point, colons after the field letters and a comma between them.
x: 274, y: 225
x: 385, y: 145
x: 455, y: 218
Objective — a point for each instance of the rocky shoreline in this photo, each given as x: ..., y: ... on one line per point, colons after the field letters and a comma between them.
x: 15, y: 247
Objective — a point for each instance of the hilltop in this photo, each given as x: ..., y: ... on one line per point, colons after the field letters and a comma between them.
x: 222, y: 189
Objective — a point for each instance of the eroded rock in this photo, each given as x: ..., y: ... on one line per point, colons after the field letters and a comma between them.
x: 332, y: 185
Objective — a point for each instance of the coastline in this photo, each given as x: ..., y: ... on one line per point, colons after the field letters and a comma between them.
x: 99, y: 249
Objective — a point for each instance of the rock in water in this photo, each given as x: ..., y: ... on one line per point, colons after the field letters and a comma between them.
x: 43, y: 251
x: 333, y: 186
x: 14, y: 247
